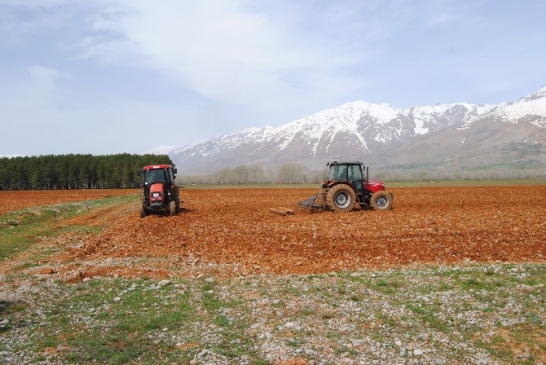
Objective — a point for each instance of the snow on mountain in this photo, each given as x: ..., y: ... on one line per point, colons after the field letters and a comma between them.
x: 352, y: 130
x: 529, y: 109
x: 447, y: 115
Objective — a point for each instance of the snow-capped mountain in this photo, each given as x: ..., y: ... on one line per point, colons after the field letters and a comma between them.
x: 375, y: 132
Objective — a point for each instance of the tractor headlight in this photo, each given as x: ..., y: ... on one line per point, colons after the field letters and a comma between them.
x: 155, y: 195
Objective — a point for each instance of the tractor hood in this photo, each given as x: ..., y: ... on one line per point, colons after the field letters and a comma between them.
x: 156, y: 193
x: 374, y: 186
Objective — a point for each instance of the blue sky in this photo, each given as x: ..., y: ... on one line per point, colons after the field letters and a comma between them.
x: 115, y: 76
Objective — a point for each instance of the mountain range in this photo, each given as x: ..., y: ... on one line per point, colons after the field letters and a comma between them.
x: 452, y: 137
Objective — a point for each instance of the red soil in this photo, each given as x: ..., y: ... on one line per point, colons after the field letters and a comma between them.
x: 233, y: 232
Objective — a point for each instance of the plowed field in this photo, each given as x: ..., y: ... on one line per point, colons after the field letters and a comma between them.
x: 232, y: 232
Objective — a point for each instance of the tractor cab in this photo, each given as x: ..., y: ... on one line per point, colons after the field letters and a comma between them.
x: 348, y: 171
x: 157, y: 175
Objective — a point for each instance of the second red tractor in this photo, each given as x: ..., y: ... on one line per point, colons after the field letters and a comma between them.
x: 347, y: 185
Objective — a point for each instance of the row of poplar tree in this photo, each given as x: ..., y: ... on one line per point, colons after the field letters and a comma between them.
x: 75, y: 171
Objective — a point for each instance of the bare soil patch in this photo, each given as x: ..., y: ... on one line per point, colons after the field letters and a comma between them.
x: 232, y: 232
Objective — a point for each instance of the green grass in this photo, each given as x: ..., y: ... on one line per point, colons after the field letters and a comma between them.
x: 130, y: 321
x: 234, y: 342
x: 429, y: 316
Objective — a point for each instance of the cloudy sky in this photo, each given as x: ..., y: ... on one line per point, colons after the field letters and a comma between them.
x: 114, y: 76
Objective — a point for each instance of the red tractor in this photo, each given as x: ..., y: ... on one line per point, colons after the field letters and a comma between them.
x: 159, y: 191
x: 347, y: 184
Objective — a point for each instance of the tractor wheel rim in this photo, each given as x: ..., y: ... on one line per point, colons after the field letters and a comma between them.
x: 382, y: 202
x: 342, y: 200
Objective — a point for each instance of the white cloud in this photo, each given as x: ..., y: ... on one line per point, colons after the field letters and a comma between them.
x: 34, y: 87
x: 441, y: 19
x: 43, y: 75
x: 222, y: 50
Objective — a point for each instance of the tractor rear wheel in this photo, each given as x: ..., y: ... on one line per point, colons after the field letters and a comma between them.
x: 382, y: 200
x: 177, y: 198
x: 341, y: 198
x: 143, y: 212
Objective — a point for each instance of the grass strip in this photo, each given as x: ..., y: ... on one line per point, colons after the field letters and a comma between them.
x: 20, y: 229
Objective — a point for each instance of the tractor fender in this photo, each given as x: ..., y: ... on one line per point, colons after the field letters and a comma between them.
x: 331, y: 184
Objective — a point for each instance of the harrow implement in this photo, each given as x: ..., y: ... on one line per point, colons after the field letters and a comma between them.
x: 313, y: 204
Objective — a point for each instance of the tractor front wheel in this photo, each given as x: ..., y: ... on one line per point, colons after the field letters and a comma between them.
x: 382, y: 200
x: 172, y: 207
x: 341, y: 198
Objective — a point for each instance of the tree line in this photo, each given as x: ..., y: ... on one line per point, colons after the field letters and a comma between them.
x: 289, y: 173
x: 75, y: 171
x: 124, y: 171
